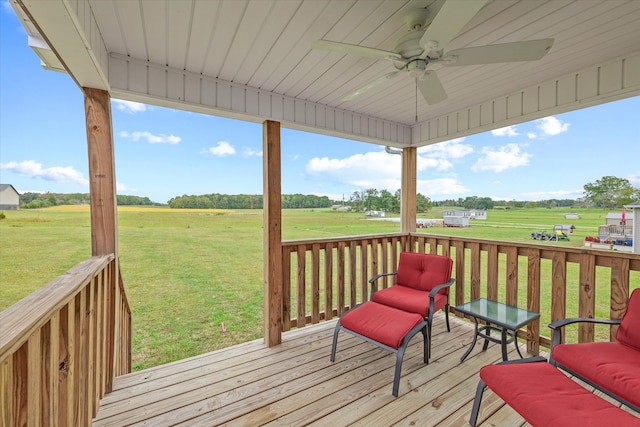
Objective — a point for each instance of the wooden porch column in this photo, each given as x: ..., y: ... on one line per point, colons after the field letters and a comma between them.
x: 102, y: 177
x: 272, y: 226
x: 104, y: 228
x: 408, y: 192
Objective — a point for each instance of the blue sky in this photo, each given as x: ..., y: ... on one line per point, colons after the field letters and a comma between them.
x: 162, y: 153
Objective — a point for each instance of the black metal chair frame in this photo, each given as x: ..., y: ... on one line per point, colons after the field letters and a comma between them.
x: 432, y: 295
x: 557, y: 328
x: 399, y: 352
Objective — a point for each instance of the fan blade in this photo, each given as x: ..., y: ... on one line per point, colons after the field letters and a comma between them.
x: 431, y: 88
x: 451, y: 18
x: 355, y: 49
x: 530, y: 50
x: 373, y: 83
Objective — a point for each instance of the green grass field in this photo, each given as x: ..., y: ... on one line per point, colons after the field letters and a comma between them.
x: 188, y: 271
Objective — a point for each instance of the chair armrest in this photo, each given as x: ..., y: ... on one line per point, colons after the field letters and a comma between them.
x: 438, y: 288
x: 557, y: 326
x: 372, y: 282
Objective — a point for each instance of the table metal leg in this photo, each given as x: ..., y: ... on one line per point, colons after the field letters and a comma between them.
x: 488, y: 334
x: 504, y: 345
x: 515, y: 341
x: 473, y: 344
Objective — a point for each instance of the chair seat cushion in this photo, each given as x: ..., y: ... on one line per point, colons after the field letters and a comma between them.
x: 611, y: 365
x: 409, y: 299
x: 544, y: 396
x: 380, y: 323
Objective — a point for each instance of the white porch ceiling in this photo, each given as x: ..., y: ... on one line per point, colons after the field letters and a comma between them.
x: 252, y: 59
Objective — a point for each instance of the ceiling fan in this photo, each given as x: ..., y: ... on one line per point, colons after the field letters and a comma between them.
x: 426, y: 44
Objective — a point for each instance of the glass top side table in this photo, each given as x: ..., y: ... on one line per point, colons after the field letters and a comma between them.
x: 498, y: 317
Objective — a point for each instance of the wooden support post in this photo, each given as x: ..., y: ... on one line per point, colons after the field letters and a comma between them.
x: 104, y: 226
x: 408, y: 192
x: 272, y: 212
x: 102, y: 179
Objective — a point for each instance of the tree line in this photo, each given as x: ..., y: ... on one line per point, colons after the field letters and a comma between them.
x: 46, y: 200
x: 609, y: 192
x: 246, y: 201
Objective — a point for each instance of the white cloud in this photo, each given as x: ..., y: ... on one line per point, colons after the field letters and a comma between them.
x: 430, y: 163
x: 250, y: 152
x: 124, y: 188
x: 375, y: 169
x: 509, y: 131
x: 552, y: 126
x: 34, y: 169
x: 151, y: 138
x: 223, y: 148
x: 441, y: 186
x: 531, y: 135
x: 129, y: 106
x: 505, y: 157
x: 436, y: 156
x: 453, y: 149
x: 634, y: 179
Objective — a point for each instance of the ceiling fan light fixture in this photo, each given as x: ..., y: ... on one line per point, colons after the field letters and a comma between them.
x: 417, y: 68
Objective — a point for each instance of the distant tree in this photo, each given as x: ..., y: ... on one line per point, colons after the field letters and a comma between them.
x: 610, y: 192
x: 423, y: 203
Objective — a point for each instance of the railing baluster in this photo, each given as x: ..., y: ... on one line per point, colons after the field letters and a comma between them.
x: 475, y: 270
x: 315, y: 283
x: 512, y: 276
x: 301, y: 291
x: 328, y: 280
x: 353, y: 262
x: 341, y: 296
x: 586, y: 298
x: 492, y: 273
x: 619, y: 291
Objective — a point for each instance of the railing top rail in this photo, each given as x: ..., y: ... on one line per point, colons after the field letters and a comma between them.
x: 21, y: 320
x: 341, y: 238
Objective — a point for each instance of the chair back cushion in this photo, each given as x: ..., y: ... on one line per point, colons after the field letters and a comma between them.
x: 629, y: 330
x: 424, y: 271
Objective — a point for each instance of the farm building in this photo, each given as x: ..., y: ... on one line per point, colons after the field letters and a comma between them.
x: 634, y: 213
x: 9, y: 198
x: 615, y: 218
x: 466, y: 213
x: 456, y: 221
x: 571, y: 215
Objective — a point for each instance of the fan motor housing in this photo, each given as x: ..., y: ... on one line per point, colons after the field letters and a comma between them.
x: 409, y: 45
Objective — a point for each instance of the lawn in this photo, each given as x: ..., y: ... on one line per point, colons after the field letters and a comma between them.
x: 187, y: 272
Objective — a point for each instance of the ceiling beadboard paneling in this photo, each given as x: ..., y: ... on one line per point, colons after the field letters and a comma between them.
x: 253, y: 59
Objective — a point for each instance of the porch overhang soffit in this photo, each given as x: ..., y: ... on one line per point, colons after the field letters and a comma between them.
x: 76, y: 38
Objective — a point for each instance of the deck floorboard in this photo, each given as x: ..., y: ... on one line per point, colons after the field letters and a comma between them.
x: 295, y: 384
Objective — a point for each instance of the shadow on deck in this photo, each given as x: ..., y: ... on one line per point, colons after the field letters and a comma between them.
x: 296, y: 384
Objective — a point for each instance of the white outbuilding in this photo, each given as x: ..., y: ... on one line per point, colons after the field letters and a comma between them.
x: 9, y: 198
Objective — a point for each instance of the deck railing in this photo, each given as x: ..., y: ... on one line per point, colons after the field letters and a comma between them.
x: 61, y: 347
x: 324, y: 277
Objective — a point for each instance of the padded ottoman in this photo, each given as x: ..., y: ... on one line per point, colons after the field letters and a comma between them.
x: 384, y: 326
x: 546, y: 397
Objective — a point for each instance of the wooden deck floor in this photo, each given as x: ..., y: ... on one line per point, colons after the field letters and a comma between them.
x: 296, y: 384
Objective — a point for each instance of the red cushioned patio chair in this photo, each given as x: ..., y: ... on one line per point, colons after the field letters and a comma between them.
x: 421, y: 286
x: 612, y: 367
